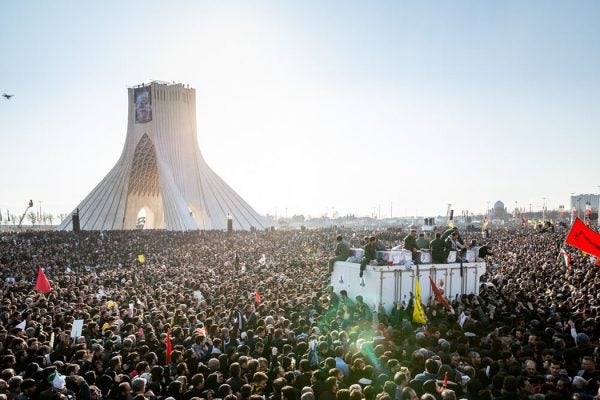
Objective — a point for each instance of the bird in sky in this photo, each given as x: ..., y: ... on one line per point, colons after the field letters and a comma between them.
x: 7, y: 96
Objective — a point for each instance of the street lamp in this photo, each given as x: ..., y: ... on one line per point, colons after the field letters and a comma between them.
x: 29, y: 205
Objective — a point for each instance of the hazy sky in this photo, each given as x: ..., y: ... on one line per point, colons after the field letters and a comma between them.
x: 308, y: 106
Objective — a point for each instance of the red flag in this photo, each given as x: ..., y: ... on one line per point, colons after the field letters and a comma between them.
x: 41, y: 283
x: 584, y: 238
x: 439, y: 297
x: 169, y: 347
x: 257, y: 296
x: 445, y: 384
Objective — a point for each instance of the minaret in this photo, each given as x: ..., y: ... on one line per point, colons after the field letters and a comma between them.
x: 162, y: 171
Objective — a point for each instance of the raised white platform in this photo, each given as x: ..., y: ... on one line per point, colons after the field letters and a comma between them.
x: 385, y: 285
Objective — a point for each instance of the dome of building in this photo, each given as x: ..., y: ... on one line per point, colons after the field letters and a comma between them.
x: 499, y: 205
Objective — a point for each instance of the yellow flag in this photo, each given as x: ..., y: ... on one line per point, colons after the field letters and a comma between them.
x: 141, y: 258
x: 418, y: 313
x: 583, y: 253
x: 451, y: 224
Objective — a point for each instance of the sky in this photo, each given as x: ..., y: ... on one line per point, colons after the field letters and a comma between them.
x: 313, y: 107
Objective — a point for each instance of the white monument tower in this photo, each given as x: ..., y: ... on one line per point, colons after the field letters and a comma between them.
x: 162, y: 172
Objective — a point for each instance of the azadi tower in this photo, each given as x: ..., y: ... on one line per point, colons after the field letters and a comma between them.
x: 161, y: 170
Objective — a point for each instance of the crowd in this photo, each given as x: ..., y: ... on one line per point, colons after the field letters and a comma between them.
x: 251, y: 317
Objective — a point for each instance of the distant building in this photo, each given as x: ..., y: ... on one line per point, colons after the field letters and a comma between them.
x: 499, y: 211
x: 579, y: 202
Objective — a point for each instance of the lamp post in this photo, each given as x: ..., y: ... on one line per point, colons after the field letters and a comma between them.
x: 544, y: 209
x: 229, y: 224
x: 29, y: 205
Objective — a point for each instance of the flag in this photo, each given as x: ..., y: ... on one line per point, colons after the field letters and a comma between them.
x: 418, y: 313
x: 462, y: 318
x: 22, y: 325
x: 168, y: 347
x: 445, y: 384
x: 141, y: 258
x: 41, y: 283
x: 439, y: 297
x: 565, y: 258
x: 584, y: 238
x: 257, y: 296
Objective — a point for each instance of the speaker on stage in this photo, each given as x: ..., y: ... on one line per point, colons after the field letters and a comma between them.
x: 75, y: 218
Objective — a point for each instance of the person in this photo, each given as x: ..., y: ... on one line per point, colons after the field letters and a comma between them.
x: 342, y: 252
x: 453, y: 244
x: 345, y: 301
x: 439, y: 254
x: 410, y: 244
x: 422, y: 241
x: 362, y: 312
x: 370, y: 254
x: 484, y: 251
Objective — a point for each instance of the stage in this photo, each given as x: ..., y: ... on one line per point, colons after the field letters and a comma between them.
x: 385, y: 285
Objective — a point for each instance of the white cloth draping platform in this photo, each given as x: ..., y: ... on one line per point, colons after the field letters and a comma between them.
x: 385, y: 285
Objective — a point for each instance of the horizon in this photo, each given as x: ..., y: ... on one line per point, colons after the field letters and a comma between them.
x: 312, y: 109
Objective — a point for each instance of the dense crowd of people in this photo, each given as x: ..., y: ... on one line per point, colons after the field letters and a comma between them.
x: 251, y: 316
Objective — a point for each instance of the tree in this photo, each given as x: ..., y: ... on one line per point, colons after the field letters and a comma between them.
x: 298, y: 218
x: 50, y: 218
x: 32, y: 217
x: 61, y: 217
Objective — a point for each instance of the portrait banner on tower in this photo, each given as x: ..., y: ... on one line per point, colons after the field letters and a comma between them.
x: 143, y: 104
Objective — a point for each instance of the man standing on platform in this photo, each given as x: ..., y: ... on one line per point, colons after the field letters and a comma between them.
x: 453, y: 243
x: 422, y: 241
x: 439, y: 254
x: 410, y: 244
x: 342, y: 252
